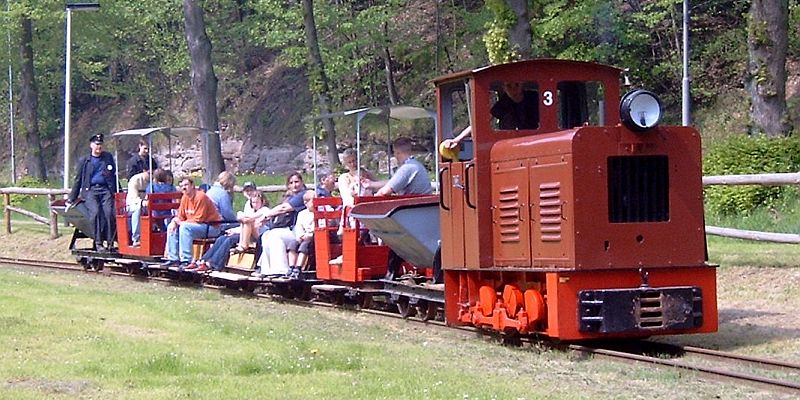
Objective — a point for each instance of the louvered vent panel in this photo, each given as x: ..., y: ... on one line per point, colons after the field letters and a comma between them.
x: 638, y: 189
x: 508, y: 214
x: 550, y: 211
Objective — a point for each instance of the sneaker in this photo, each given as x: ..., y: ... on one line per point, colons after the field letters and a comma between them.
x: 338, y: 260
x: 295, y: 273
x: 256, y: 274
x: 136, y: 243
x: 170, y: 263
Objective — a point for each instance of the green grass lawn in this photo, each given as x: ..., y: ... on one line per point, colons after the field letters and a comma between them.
x: 66, y: 336
x: 63, y: 336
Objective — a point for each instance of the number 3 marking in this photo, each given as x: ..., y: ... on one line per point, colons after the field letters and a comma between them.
x: 548, y: 98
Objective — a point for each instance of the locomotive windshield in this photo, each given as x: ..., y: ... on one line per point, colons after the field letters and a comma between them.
x: 580, y: 103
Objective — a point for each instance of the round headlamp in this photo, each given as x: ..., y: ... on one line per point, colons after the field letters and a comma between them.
x: 640, y: 110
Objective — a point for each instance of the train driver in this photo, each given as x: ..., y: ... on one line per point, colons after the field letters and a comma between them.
x: 410, y: 178
x: 516, y: 108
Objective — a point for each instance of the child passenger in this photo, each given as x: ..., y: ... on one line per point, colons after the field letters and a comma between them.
x: 304, y: 237
x: 253, y: 223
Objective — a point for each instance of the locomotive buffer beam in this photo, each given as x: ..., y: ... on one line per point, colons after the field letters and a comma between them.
x: 642, y: 309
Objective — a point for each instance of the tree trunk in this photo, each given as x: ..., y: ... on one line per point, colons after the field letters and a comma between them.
x: 204, y: 87
x: 387, y: 64
x: 767, y: 38
x: 319, y: 81
x: 34, y: 162
x: 519, y: 34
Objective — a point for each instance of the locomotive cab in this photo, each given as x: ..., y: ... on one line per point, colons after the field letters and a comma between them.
x: 572, y: 213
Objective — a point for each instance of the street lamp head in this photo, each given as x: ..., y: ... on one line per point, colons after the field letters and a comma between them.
x: 82, y: 6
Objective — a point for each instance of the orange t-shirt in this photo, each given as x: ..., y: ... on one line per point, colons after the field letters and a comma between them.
x: 198, y: 209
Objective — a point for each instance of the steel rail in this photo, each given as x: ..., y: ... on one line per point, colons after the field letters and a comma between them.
x: 791, y: 387
x: 761, y: 362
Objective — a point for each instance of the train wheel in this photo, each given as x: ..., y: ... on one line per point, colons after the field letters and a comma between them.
x: 405, y: 309
x: 97, y: 265
x: 84, y: 262
x: 426, y: 310
x: 365, y: 301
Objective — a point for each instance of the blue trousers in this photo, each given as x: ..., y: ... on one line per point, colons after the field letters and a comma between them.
x: 219, y: 253
x: 179, y: 243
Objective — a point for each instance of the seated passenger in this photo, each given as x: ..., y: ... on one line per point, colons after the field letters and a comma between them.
x: 326, y: 184
x: 216, y: 257
x: 248, y: 190
x: 348, y: 182
x: 349, y: 187
x: 410, y: 178
x: 253, y: 223
x: 137, y: 187
x: 162, y: 183
x: 304, y: 237
x: 221, y: 193
x: 197, y: 218
x: 274, y: 242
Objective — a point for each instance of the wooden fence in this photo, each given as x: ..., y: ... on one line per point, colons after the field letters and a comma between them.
x: 754, y: 179
x: 53, y: 194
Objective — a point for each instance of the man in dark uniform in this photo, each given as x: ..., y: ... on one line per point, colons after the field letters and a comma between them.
x: 95, y: 184
x: 137, y: 162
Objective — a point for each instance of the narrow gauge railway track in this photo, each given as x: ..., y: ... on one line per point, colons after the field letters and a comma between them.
x: 637, y: 353
x: 59, y: 265
x: 728, y: 371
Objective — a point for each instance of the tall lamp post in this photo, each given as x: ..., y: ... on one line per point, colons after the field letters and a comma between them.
x: 68, y: 42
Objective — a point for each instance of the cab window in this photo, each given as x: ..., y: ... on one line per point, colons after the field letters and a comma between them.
x: 580, y: 103
x: 515, y: 105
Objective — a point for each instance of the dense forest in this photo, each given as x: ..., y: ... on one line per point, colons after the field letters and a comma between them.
x: 253, y: 69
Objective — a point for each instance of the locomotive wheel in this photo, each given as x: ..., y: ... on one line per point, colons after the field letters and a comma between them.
x: 426, y: 310
x: 365, y: 301
x: 405, y: 309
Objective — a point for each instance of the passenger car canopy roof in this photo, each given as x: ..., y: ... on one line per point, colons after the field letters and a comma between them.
x: 167, y: 131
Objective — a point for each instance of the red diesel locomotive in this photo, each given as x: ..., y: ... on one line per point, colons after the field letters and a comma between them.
x: 583, y: 221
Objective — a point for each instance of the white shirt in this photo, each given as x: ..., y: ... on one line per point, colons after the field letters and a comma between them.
x: 304, y: 226
x: 137, y: 186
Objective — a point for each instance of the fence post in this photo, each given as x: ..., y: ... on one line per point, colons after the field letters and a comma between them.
x: 53, y: 217
x: 7, y: 198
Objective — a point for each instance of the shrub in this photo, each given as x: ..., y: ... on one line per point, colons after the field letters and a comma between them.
x: 741, y: 154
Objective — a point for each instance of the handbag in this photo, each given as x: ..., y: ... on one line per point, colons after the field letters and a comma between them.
x: 285, y: 220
